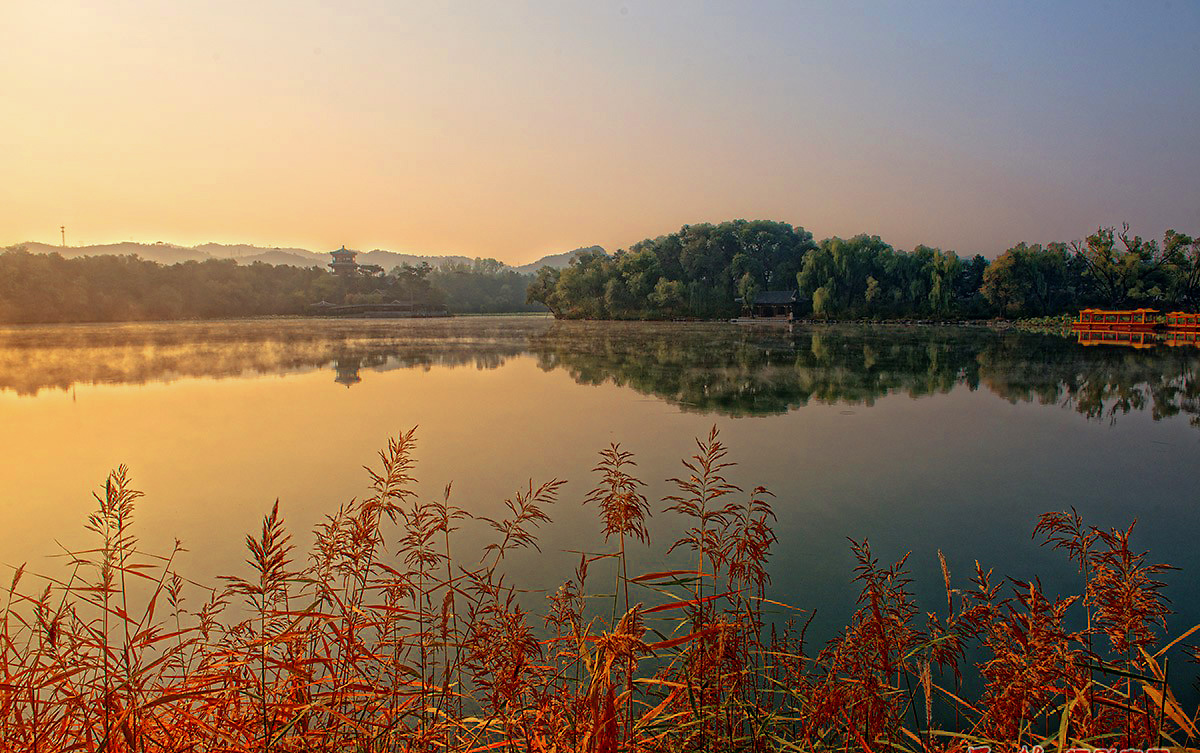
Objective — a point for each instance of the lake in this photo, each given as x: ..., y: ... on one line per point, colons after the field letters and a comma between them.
x: 918, y: 438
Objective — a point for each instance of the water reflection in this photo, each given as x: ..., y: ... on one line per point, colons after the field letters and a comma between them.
x: 1125, y: 339
x: 57, y: 357
x: 738, y: 371
x: 347, y: 369
x: 701, y: 367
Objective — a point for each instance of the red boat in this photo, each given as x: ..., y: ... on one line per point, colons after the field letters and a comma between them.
x: 1137, y: 320
x: 1179, y: 321
x: 1179, y: 338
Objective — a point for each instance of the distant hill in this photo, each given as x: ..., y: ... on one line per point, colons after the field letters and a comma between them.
x: 163, y: 253
x: 297, y: 258
x: 241, y: 250
x: 390, y: 259
x: 556, y: 260
x: 168, y: 253
x: 300, y: 257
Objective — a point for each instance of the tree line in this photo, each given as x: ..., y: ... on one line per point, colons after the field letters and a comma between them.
x: 702, y: 270
x: 50, y: 288
x: 699, y: 272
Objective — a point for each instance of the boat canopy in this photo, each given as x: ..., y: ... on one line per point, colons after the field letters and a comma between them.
x: 1120, y: 311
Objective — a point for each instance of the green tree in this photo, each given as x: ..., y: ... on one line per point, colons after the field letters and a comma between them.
x: 1029, y: 280
x: 1005, y: 285
x: 668, y: 297
x: 482, y: 286
x: 544, y: 290
x: 943, y: 270
x: 641, y: 271
x: 748, y: 288
x: 708, y: 262
x: 1121, y: 274
x: 1182, y: 254
x: 821, y: 298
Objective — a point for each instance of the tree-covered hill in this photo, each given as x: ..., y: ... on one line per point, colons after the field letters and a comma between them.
x: 696, y: 272
x: 702, y: 270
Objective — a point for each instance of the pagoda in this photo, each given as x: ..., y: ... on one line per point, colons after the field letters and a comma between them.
x: 343, y: 262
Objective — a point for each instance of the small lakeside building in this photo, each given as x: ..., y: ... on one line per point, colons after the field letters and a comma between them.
x: 774, y: 304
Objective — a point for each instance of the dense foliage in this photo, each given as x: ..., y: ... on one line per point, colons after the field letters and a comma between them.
x: 702, y: 270
x: 50, y: 288
x: 863, y: 276
x: 484, y: 286
x: 697, y: 272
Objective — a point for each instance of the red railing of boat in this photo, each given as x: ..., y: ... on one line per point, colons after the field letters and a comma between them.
x: 1137, y: 320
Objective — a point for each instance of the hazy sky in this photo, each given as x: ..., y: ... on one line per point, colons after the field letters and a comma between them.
x: 513, y: 129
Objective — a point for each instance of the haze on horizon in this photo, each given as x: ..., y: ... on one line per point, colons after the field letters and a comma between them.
x: 518, y: 129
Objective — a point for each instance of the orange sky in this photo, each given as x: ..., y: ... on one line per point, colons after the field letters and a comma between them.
x: 514, y: 130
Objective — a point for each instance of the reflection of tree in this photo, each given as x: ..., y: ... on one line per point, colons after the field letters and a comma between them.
x: 1097, y: 382
x: 36, y: 358
x: 759, y: 371
x: 701, y: 367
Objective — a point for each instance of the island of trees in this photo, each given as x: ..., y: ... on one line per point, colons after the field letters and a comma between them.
x: 702, y: 270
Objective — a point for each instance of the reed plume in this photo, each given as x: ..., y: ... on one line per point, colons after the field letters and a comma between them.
x: 387, y: 637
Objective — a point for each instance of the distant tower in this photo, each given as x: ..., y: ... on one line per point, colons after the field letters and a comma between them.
x: 63, y: 229
x: 343, y: 262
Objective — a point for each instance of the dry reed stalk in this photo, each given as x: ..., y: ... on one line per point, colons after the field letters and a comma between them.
x: 386, y: 640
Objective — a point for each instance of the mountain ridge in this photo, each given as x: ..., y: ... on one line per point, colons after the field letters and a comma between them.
x: 170, y: 253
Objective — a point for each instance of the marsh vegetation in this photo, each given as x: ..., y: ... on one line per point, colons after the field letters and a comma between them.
x: 387, y: 635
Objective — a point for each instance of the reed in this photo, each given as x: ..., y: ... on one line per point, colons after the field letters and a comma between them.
x: 385, y: 637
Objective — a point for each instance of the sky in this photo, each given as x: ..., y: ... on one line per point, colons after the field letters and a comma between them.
x: 517, y: 129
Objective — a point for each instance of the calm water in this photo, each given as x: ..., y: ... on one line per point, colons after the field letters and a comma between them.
x: 918, y: 438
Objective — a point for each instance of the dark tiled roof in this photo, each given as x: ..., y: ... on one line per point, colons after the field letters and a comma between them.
x: 775, y: 297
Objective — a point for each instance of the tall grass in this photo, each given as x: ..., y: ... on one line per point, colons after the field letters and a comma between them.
x: 385, y: 636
